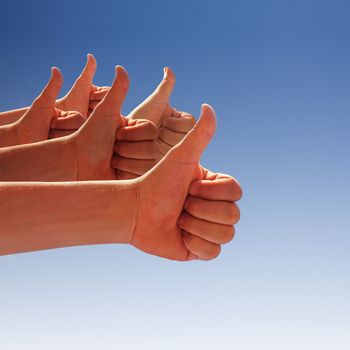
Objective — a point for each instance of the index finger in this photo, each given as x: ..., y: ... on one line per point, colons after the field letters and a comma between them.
x: 138, y: 132
x: 219, y: 189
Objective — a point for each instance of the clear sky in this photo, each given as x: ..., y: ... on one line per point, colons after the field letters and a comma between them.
x: 278, y: 74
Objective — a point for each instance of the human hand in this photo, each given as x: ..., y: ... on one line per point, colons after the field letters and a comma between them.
x: 94, y: 141
x: 173, y: 125
x: 84, y: 96
x: 35, y: 123
x: 86, y: 154
x: 135, y: 150
x: 184, y: 211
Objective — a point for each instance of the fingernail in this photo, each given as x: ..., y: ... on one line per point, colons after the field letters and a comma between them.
x: 165, y: 71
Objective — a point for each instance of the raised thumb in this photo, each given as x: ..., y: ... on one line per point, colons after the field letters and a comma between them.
x: 87, y: 75
x: 190, y: 149
x: 106, y: 117
x: 47, y: 98
x: 166, y: 86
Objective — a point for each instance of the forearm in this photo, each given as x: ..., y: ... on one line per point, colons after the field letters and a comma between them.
x: 10, y: 117
x: 8, y: 136
x: 37, y: 216
x: 52, y: 160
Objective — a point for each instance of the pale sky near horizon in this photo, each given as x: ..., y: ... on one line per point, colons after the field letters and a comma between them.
x: 277, y: 73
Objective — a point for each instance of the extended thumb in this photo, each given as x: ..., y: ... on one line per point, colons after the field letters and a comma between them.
x: 87, y: 75
x: 106, y: 117
x: 166, y: 86
x: 48, y: 96
x: 194, y: 143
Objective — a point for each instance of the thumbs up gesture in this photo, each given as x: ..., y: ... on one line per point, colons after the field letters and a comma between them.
x: 84, y: 96
x: 137, y: 153
x: 35, y: 124
x: 184, y: 211
x: 94, y: 141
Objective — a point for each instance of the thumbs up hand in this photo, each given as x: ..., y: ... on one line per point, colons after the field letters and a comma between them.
x: 157, y: 106
x: 84, y: 96
x: 35, y: 124
x: 94, y: 141
x: 185, y: 212
x: 173, y: 125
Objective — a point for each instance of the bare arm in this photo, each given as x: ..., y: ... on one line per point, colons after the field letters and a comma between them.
x: 36, y: 216
x: 84, y: 155
x: 52, y: 160
x: 10, y: 117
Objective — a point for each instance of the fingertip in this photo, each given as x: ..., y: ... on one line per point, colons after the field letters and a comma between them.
x: 120, y: 70
x: 208, y: 118
x: 56, y: 73
x: 91, y: 60
x: 169, y: 75
x: 56, y: 78
x: 122, y: 76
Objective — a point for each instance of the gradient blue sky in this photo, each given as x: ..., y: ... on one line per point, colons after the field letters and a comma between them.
x: 278, y: 75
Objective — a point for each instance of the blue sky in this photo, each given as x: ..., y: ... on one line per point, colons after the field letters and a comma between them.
x: 278, y: 75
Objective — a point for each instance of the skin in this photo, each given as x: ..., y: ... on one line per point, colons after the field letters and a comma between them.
x: 35, y: 124
x: 136, y: 140
x: 82, y: 97
x: 139, y: 145
x: 73, y: 157
x: 172, y: 125
x: 136, y: 147
x: 178, y: 210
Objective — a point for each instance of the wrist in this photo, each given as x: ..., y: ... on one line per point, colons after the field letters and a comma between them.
x: 51, y: 160
x: 119, y: 212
